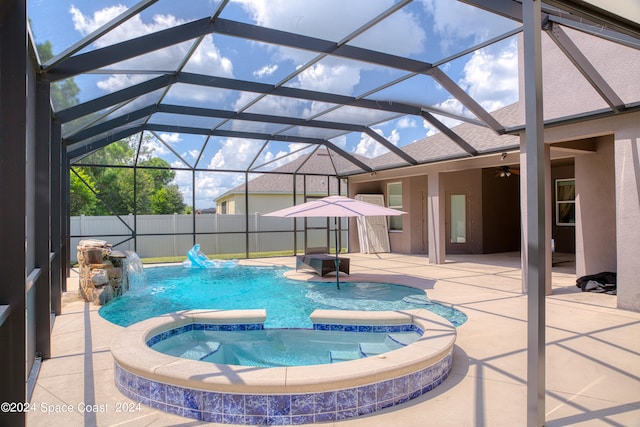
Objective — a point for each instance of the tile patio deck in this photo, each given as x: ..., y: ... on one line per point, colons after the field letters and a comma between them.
x: 592, y: 363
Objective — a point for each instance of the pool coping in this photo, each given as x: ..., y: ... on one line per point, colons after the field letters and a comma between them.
x: 132, y: 354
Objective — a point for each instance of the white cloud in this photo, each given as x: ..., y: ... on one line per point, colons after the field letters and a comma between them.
x: 267, y: 70
x: 455, y: 21
x: 330, y: 76
x: 491, y: 77
x: 400, y: 33
x: 171, y: 138
x: 206, y: 58
x: 406, y: 122
x: 369, y: 147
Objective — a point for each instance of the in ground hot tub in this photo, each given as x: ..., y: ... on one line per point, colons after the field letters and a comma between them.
x: 234, y: 394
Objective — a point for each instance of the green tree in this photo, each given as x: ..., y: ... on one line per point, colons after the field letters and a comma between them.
x: 154, y: 193
x: 168, y: 200
x: 82, y: 200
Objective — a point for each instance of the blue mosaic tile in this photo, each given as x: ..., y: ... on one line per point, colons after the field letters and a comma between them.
x: 347, y: 399
x: 384, y: 404
x: 158, y: 405
x: 279, y: 421
x: 192, y: 413
x: 368, y: 409
x: 175, y: 395
x: 279, y: 405
x: 233, y: 404
x: 325, y: 402
x: 255, y: 404
x: 366, y: 395
x: 302, y: 404
x: 143, y: 387
x: 233, y: 419
x: 130, y: 381
x: 365, y: 328
x: 255, y: 327
x: 350, y: 413
x: 211, y: 418
x: 400, y: 386
x: 143, y: 400
x: 211, y: 327
x: 401, y: 399
x: 302, y: 419
x: 384, y: 390
x: 157, y: 391
x: 336, y: 328
x: 256, y: 420
x: 414, y: 382
x: 351, y: 328
x: 212, y: 402
x: 176, y: 410
x: 326, y: 416
x: 192, y: 399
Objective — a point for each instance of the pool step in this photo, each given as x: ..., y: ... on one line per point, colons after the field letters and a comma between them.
x: 391, y: 342
x: 202, y: 351
x: 403, y: 338
x: 344, y: 355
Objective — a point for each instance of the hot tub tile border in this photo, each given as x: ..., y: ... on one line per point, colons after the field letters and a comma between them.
x: 282, y: 409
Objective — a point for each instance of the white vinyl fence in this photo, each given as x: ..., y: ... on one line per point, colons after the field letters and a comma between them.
x: 172, y: 235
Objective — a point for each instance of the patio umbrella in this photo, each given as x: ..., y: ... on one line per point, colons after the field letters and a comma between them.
x: 336, y: 207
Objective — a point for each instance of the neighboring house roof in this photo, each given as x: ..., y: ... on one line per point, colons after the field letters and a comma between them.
x: 441, y: 147
x: 281, y: 180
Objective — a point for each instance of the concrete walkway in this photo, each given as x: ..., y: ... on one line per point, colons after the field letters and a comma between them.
x: 592, y: 363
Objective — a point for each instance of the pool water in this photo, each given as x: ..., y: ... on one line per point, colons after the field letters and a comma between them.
x: 281, y: 347
x: 288, y: 303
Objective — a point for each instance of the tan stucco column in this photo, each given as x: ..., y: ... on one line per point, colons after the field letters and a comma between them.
x: 595, y: 209
x: 627, y: 161
x: 523, y: 214
x: 435, y: 217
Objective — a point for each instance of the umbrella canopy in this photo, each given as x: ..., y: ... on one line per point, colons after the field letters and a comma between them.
x: 335, y: 206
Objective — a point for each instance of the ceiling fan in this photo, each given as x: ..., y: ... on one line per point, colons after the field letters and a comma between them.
x: 506, y: 171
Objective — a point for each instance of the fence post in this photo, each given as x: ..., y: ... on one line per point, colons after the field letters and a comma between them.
x: 175, y: 236
x: 131, y: 241
x: 256, y: 225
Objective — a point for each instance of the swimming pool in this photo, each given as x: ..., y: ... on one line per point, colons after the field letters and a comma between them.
x: 283, y: 395
x: 288, y: 302
x: 279, y: 347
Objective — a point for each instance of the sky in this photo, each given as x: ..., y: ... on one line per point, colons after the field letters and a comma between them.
x: 426, y: 30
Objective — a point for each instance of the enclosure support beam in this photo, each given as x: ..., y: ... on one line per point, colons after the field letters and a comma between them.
x: 535, y: 269
x: 14, y: 63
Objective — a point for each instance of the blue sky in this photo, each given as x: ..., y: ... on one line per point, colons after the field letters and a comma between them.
x: 426, y: 30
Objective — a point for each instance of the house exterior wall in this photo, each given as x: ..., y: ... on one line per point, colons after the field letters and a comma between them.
x: 595, y: 209
x: 627, y: 165
x: 626, y: 154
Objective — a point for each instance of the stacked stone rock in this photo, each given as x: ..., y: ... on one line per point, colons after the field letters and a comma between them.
x: 102, y: 271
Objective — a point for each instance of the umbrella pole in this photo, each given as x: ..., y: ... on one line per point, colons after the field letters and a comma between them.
x: 335, y: 219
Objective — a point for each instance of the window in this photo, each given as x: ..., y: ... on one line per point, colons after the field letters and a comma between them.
x: 394, y: 200
x: 566, y: 201
x: 458, y: 218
